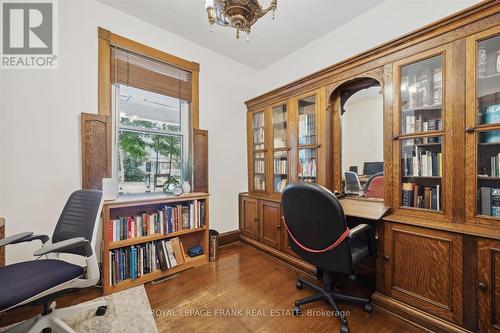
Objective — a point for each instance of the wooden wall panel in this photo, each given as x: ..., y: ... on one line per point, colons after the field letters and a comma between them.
x: 424, y: 269
x: 96, y: 149
x: 200, y: 160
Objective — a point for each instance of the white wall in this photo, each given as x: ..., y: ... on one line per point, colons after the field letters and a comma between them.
x: 380, y: 24
x: 363, y: 129
x: 41, y: 120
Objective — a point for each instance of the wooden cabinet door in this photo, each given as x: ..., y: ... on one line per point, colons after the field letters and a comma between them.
x: 249, y: 217
x: 423, y: 268
x: 488, y: 265
x: 270, y: 218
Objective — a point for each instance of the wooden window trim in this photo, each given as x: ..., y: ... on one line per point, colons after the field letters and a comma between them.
x: 108, y: 39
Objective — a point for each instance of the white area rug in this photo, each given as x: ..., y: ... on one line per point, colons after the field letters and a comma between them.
x: 128, y: 311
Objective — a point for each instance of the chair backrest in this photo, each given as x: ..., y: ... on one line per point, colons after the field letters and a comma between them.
x: 371, y: 168
x: 80, y: 218
x: 369, y: 181
x: 376, y: 188
x: 316, y: 220
x: 352, y: 182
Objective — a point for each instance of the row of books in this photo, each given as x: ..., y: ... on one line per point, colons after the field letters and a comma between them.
x: 495, y: 165
x: 280, y: 166
x: 307, y: 168
x: 259, y: 166
x: 170, y: 219
x: 280, y: 183
x: 259, y: 182
x: 307, y: 129
x: 413, y: 124
x: 421, y: 89
x: 489, y: 201
x: 419, y: 196
x: 422, y: 163
x: 135, y: 261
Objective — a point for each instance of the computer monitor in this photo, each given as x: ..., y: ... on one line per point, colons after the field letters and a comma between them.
x: 371, y: 168
x: 351, y: 182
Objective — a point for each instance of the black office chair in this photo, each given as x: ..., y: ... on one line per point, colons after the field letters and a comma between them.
x: 318, y: 233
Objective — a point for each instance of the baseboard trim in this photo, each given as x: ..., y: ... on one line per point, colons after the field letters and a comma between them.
x: 229, y: 237
x: 414, y: 316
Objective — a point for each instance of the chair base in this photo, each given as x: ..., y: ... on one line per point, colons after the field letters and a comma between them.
x: 52, y: 318
x: 327, y: 294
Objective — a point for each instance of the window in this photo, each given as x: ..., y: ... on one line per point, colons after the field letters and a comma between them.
x: 151, y: 103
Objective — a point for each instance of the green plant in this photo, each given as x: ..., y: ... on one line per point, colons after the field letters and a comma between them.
x: 187, y: 168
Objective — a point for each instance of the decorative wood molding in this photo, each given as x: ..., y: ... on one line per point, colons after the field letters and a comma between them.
x: 2, y: 235
x: 96, y: 149
x: 373, y: 57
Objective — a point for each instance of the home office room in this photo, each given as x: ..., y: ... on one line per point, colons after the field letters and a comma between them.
x: 250, y: 165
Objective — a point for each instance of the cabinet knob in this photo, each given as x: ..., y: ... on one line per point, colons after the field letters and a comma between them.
x: 469, y: 129
x: 482, y: 286
x: 278, y: 226
x: 386, y: 257
x: 395, y: 137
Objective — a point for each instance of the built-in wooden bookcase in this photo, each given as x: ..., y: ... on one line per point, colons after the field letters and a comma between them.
x: 422, y: 143
x: 257, y: 128
x: 483, y: 127
x: 280, y: 143
x: 137, y: 205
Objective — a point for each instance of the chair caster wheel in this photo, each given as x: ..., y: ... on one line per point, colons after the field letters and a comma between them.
x: 368, y: 307
x: 344, y: 329
x: 101, y: 311
x: 296, y: 311
x: 299, y: 285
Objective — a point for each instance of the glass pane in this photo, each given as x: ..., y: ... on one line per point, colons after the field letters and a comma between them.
x: 258, y: 131
x: 147, y: 161
x: 307, y: 165
x: 280, y: 126
x: 421, y: 172
x: 280, y: 170
x: 421, y: 96
x: 148, y: 110
x: 307, y: 121
x: 488, y: 173
x: 259, y: 172
x: 488, y: 81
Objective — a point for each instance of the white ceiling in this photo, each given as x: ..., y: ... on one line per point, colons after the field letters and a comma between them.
x: 297, y: 23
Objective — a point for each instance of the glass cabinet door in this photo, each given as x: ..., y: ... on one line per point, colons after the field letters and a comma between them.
x: 421, y: 134
x: 307, y: 140
x: 280, y: 147
x: 483, y: 127
x: 259, y: 155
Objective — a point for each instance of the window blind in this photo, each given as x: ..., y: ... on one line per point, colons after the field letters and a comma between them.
x: 137, y: 71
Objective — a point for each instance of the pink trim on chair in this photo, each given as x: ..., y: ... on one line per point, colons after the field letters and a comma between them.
x: 326, y: 249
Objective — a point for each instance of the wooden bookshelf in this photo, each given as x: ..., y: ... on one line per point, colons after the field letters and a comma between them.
x: 135, y: 204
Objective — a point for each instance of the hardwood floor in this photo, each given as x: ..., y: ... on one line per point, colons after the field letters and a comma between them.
x: 244, y: 291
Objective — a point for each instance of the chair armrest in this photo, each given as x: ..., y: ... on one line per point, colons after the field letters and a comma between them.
x: 43, y: 238
x: 17, y: 238
x: 354, y: 232
x: 64, y: 245
x: 368, y: 231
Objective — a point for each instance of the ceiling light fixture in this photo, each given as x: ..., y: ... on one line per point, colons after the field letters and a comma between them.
x: 238, y: 14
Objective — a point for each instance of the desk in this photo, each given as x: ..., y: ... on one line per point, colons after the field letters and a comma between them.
x: 364, y: 208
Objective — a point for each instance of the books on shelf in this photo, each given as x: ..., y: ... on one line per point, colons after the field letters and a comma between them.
x: 259, y: 166
x: 492, y: 115
x: 171, y: 218
x: 259, y: 182
x: 489, y: 199
x: 307, y: 128
x: 495, y: 165
x: 422, y: 163
x: 414, y: 124
x: 135, y: 261
x: 307, y: 168
x: 280, y: 166
x: 420, y: 196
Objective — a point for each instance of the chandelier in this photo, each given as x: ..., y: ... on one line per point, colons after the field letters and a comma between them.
x: 238, y: 14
